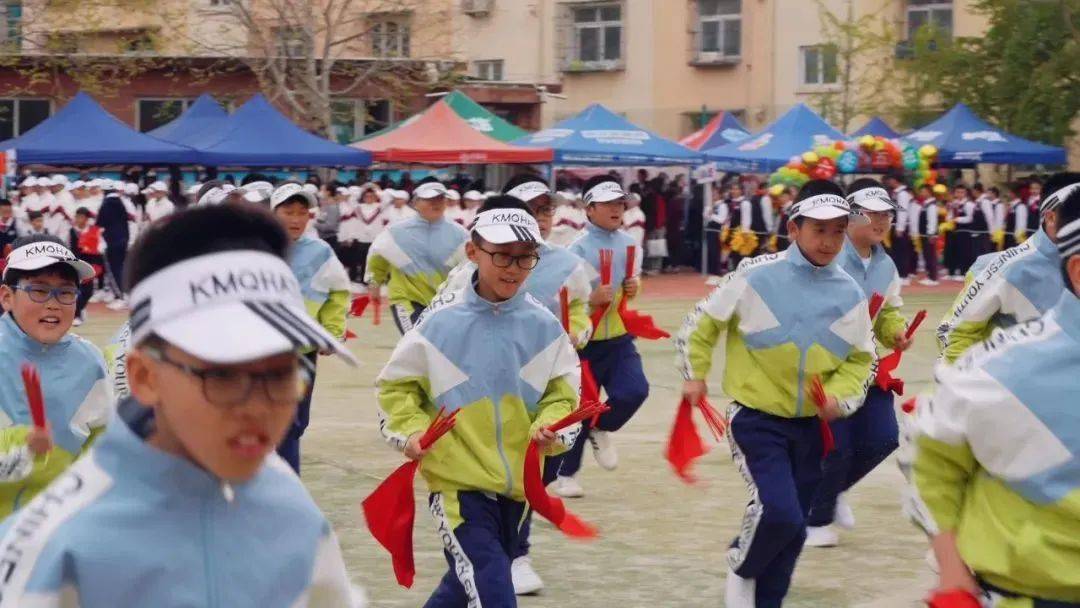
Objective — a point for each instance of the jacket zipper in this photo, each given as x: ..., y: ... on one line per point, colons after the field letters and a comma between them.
x: 496, y: 404
x: 208, y: 557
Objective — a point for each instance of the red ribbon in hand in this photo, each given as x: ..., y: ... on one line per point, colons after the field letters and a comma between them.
x: 564, y: 309
x: 957, y: 598
x: 550, y: 507
x: 32, y: 384
x: 685, y: 445
x: 359, y: 305
x: 390, y: 510
x: 888, y: 364
x: 607, y: 257
x: 590, y: 390
x: 876, y: 301
x: 637, y: 324
x: 817, y: 391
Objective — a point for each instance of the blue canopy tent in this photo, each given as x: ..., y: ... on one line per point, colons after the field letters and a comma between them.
x: 204, y: 118
x: 797, y: 131
x: 724, y: 128
x: 83, y: 133
x: 599, y: 137
x: 877, y: 127
x: 258, y: 135
x: 963, y: 139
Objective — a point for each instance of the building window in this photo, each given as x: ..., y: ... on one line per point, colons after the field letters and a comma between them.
x: 598, y: 33
x: 17, y: 116
x: 142, y: 44
x: 720, y: 27
x: 13, y: 14
x: 153, y: 113
x: 818, y: 65
x: 293, y: 42
x: 936, y: 13
x: 390, y: 38
x: 489, y: 70
x: 351, y: 119
x: 220, y: 2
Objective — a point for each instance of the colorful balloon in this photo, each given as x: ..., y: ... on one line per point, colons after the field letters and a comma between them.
x: 848, y: 161
x: 810, y: 158
x: 928, y: 151
x: 910, y: 158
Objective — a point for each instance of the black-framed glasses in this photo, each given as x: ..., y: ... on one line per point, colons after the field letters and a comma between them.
x: 43, y: 293
x: 227, y: 387
x: 544, y: 210
x: 526, y: 261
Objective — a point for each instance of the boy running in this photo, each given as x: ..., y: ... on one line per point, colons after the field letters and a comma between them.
x: 495, y: 355
x: 324, y: 285
x: 40, y: 287
x: 414, y: 256
x: 790, y: 317
x: 611, y: 353
x: 995, y: 472
x: 197, y: 508
x: 867, y: 437
x: 1012, y: 286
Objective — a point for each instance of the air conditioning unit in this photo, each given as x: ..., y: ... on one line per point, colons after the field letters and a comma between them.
x: 477, y: 8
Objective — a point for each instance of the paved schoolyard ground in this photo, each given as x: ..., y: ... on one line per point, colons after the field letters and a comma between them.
x: 662, y: 542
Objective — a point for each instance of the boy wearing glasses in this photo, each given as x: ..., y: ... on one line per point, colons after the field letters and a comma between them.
x: 495, y: 355
x: 414, y: 256
x: 197, y: 506
x: 324, y: 284
x: 867, y: 437
x: 40, y: 287
x: 611, y: 353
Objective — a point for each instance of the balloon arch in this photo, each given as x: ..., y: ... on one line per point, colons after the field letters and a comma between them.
x: 867, y: 154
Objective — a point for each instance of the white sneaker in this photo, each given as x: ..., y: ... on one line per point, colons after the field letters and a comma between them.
x: 567, y: 487
x: 117, y: 304
x: 106, y: 297
x: 97, y: 297
x: 843, y: 516
x: 604, y: 449
x: 526, y: 580
x: 738, y: 591
x: 713, y: 280
x: 77, y: 322
x: 821, y: 536
x: 905, y: 281
x: 928, y: 283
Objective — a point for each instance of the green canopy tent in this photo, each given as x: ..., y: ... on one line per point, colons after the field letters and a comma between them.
x: 479, y: 117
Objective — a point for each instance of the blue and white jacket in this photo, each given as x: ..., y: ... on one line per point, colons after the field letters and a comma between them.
x: 588, y: 247
x: 131, y: 525
x: 78, y: 403
x: 1013, y: 286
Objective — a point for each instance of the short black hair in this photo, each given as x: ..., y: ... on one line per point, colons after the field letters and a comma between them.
x: 977, y: 186
x: 597, y: 179
x: 1058, y: 181
x: 863, y: 183
x: 501, y: 201
x: 517, y: 180
x: 995, y: 190
x: 815, y: 187
x: 64, y: 271
x: 197, y: 231
x: 255, y: 177
x: 925, y: 186
x: 82, y: 211
x: 206, y: 187
x: 431, y: 179
x: 34, y: 215
x: 5, y: 202
x: 1067, y: 213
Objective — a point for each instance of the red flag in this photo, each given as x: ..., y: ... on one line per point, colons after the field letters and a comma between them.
x: 685, y: 445
x: 349, y: 334
x: 817, y: 391
x: 390, y: 510
x: 637, y: 324
x: 888, y: 364
x: 359, y: 305
x: 953, y: 599
x: 32, y: 384
x: 590, y: 390
x: 550, y: 507
x: 606, y: 259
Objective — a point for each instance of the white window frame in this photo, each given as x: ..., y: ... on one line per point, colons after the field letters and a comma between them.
x: 601, y: 25
x: 399, y: 44
x: 16, y: 118
x: 360, y: 113
x: 492, y: 70
x: 804, y: 83
x: 717, y: 56
x: 929, y: 9
x: 185, y: 103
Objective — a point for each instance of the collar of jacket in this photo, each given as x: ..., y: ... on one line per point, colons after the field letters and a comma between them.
x: 475, y: 302
x: 1068, y: 313
x: 597, y: 231
x: 796, y: 258
x: 849, y: 252
x: 125, y: 453
x: 11, y: 333
x: 1045, y: 246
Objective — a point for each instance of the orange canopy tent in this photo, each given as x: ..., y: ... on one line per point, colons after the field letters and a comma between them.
x: 439, y: 136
